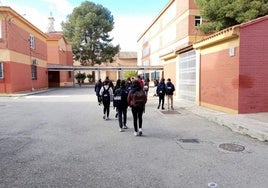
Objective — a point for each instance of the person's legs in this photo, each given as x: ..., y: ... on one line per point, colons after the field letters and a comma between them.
x: 159, y: 101
x: 99, y: 99
x: 168, y: 100
x: 119, y: 111
x: 104, y: 111
x: 134, y: 114
x: 124, y: 111
x: 171, y: 100
x: 140, y: 113
x: 108, y: 111
x: 163, y: 101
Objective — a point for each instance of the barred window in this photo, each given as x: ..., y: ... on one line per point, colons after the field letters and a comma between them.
x: 34, y: 72
x: 32, y: 42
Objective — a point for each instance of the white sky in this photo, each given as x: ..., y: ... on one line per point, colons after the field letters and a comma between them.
x: 131, y: 17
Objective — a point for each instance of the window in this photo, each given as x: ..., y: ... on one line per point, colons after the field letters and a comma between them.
x: 197, y: 20
x: 1, y: 70
x: 32, y: 43
x: 34, y: 72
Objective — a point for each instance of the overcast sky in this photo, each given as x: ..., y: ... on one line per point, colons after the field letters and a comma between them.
x: 131, y: 17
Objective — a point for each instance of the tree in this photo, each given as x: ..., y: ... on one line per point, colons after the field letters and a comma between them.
x: 88, y: 29
x: 129, y: 74
x: 80, y: 77
x: 221, y: 14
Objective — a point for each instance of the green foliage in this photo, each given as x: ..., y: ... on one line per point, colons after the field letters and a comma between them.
x: 221, y: 14
x: 129, y: 74
x: 88, y: 29
x: 80, y: 77
x: 90, y: 78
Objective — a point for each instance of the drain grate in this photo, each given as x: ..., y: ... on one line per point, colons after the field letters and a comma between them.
x: 232, y: 147
x: 170, y: 112
x: 189, y: 140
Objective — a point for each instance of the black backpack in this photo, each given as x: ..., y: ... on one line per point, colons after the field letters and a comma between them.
x: 106, y: 95
x: 120, y: 98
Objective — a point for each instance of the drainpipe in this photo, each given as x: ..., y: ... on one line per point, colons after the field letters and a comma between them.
x: 73, y: 78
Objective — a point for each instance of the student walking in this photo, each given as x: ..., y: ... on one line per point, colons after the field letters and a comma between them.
x: 137, y: 100
x: 117, y: 86
x: 121, y: 104
x: 146, y: 86
x: 106, y: 92
x: 161, y: 92
x: 98, y: 86
x: 169, y: 91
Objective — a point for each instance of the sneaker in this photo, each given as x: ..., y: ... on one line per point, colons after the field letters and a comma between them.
x: 163, y: 108
x: 107, y: 118
x: 125, y: 127
x: 120, y: 130
x: 103, y: 117
x: 140, y: 132
x: 136, y: 134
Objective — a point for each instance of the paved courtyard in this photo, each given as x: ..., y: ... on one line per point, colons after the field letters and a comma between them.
x: 59, y: 139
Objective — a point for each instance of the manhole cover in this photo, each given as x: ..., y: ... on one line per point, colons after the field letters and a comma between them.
x: 232, y: 147
x: 170, y: 112
x: 189, y: 140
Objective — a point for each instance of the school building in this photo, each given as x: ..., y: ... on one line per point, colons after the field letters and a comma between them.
x: 166, y: 42
x: 226, y: 71
x: 25, y: 53
x: 234, y: 68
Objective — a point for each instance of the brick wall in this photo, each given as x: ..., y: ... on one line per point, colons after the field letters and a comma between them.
x: 253, y: 73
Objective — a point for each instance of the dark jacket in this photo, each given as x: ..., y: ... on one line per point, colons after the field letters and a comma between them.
x: 98, y: 86
x: 161, y: 89
x: 170, y: 88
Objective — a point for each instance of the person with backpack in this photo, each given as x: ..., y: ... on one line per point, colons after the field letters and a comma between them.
x: 146, y: 86
x: 117, y: 86
x: 121, y: 104
x: 161, y: 92
x: 169, y: 92
x: 106, y: 92
x: 98, y: 86
x: 137, y: 100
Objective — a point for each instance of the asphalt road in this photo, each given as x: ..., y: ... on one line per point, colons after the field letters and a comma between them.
x: 59, y: 139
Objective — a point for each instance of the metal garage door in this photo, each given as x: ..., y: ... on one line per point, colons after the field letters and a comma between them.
x: 187, y: 75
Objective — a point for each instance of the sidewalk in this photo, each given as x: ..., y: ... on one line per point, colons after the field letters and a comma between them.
x: 254, y: 125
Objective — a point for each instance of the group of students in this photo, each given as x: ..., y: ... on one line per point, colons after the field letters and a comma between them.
x: 126, y: 93
x: 165, y: 89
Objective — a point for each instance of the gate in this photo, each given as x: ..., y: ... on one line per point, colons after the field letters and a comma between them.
x: 187, y: 75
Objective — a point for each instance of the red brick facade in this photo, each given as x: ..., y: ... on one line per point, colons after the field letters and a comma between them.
x: 234, y: 68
